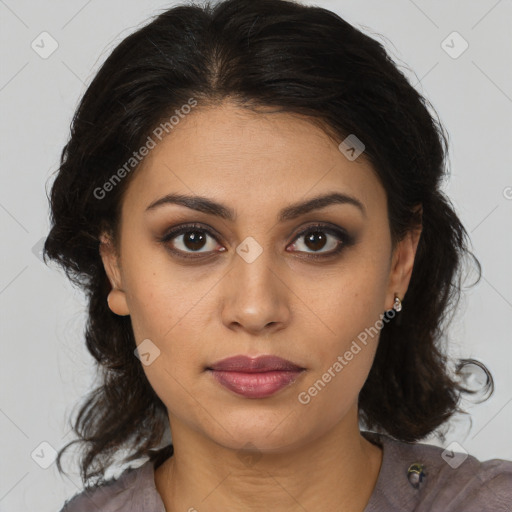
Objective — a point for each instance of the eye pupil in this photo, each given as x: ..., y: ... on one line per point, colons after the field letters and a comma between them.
x: 194, y: 240
x: 315, y: 236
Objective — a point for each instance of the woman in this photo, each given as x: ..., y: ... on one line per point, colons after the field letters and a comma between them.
x: 251, y: 199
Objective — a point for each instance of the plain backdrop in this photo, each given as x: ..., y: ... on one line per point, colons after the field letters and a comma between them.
x: 45, y: 368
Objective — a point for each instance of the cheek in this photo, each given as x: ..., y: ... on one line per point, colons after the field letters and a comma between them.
x: 345, y: 343
x: 332, y: 392
x: 156, y: 299
x: 348, y: 305
x: 168, y: 310
x: 347, y: 300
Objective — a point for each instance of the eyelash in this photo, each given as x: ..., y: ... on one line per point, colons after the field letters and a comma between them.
x: 345, y: 239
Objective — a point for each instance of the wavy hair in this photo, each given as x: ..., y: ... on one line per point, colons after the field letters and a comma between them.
x: 293, y: 58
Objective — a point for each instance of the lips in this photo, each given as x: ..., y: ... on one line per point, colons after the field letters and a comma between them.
x: 255, y: 377
x: 254, y: 365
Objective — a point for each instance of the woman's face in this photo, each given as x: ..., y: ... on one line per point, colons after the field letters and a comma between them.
x: 250, y: 284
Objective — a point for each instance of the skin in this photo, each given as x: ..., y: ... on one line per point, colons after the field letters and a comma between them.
x: 198, y: 311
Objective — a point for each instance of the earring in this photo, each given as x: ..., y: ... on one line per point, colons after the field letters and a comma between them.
x: 116, y: 301
x: 397, y: 305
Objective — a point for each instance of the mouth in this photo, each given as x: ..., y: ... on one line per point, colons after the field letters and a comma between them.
x: 255, y: 377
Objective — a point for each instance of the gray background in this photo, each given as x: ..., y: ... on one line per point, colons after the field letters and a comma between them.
x: 45, y: 369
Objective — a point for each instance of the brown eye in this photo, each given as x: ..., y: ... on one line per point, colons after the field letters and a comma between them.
x: 317, y: 238
x: 189, y: 240
x: 194, y: 240
x: 315, y: 241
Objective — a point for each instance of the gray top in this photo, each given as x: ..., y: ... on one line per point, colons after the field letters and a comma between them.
x: 449, y: 483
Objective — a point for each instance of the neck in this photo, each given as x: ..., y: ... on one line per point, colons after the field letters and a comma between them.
x: 336, y: 471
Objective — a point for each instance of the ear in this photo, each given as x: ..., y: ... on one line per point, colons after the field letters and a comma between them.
x: 117, y: 297
x: 402, y: 263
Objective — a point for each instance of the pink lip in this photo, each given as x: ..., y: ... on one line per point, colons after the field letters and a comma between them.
x: 255, y: 377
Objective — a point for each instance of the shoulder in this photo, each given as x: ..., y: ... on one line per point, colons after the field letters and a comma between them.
x: 459, y: 481
x: 448, y: 480
x: 130, y: 491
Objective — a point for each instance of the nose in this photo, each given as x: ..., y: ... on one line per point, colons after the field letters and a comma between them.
x: 255, y: 296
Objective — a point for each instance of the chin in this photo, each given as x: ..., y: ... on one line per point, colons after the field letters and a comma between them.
x: 269, y: 433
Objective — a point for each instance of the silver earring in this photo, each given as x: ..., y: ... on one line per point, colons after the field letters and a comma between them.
x: 397, y: 305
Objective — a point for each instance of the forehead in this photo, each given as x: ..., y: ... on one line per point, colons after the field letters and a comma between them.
x: 250, y: 160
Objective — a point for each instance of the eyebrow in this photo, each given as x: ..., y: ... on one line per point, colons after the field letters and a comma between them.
x: 208, y: 206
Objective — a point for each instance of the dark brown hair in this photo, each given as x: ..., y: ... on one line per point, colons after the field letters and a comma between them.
x: 294, y: 58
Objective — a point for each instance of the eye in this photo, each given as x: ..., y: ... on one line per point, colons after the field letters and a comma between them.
x: 185, y: 241
x: 319, y: 237
x: 191, y: 237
